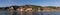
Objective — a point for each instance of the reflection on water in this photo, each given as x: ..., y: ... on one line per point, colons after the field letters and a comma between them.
x: 37, y: 13
x: 4, y: 13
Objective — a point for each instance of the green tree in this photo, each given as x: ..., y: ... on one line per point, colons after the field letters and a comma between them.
x: 51, y: 7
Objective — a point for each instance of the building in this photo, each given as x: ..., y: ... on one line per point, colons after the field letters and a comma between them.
x: 46, y: 9
x: 11, y: 10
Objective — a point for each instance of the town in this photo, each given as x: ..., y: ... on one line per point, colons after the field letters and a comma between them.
x: 29, y: 9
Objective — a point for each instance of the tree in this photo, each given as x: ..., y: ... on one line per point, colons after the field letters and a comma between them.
x: 51, y: 7
x: 15, y: 7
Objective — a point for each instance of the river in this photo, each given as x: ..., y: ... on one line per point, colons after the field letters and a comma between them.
x: 44, y: 13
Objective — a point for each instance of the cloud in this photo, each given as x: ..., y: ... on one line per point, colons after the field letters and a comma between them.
x: 35, y: 2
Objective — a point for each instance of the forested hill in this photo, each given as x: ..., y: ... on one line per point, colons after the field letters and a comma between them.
x: 33, y: 6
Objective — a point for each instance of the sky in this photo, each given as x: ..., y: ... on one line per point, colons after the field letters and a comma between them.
x: 5, y: 3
